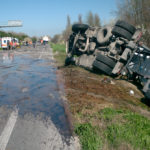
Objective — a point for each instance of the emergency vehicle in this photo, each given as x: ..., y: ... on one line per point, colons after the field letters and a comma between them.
x: 9, y: 43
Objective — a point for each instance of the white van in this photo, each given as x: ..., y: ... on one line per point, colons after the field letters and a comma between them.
x: 5, y: 42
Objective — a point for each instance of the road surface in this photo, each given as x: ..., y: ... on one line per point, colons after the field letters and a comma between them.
x: 32, y: 115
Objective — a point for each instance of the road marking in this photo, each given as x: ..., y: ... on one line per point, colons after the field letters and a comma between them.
x: 5, y: 136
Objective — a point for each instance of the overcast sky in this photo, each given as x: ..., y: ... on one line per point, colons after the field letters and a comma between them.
x: 48, y: 17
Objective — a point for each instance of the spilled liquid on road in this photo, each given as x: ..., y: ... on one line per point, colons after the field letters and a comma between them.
x: 30, y: 84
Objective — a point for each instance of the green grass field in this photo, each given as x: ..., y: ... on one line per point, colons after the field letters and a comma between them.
x: 58, y: 47
x: 59, y: 53
x: 118, y: 129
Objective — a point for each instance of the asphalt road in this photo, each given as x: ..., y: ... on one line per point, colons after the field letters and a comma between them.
x: 32, y: 115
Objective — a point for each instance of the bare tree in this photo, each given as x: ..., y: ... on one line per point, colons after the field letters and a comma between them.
x: 80, y: 19
x: 56, y: 38
x: 67, y: 31
x: 90, y: 19
x: 68, y: 22
x: 136, y: 12
x: 97, y: 20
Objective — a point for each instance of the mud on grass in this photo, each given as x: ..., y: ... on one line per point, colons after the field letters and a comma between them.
x: 104, y: 106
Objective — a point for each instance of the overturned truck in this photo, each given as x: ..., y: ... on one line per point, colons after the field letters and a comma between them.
x: 114, y: 50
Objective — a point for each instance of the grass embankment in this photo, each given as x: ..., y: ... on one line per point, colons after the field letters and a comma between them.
x: 59, y: 53
x: 102, y: 117
x: 115, y: 129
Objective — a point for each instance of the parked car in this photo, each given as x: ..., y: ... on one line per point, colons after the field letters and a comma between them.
x: 111, y: 50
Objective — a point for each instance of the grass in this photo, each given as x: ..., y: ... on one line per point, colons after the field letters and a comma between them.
x: 58, y: 47
x: 59, y: 53
x: 126, y: 127
x: 89, y: 138
x: 117, y: 129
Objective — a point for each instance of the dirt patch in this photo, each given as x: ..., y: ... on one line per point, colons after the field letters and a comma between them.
x: 88, y: 92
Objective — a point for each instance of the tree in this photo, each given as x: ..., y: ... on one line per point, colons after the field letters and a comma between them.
x: 20, y: 36
x: 136, y: 12
x: 68, y: 22
x: 34, y: 39
x: 80, y: 19
x: 67, y: 31
x: 97, y: 20
x: 56, y: 38
x: 90, y: 19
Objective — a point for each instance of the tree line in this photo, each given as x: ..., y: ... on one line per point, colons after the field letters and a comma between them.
x: 136, y: 12
x: 91, y: 19
x: 20, y: 36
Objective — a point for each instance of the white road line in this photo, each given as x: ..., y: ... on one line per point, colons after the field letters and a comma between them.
x: 5, y: 136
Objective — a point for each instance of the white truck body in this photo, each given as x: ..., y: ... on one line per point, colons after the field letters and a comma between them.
x: 5, y: 41
x: 45, y: 38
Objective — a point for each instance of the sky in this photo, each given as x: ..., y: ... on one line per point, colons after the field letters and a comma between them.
x: 49, y: 17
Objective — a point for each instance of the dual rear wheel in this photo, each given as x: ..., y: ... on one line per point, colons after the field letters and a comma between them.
x: 104, y: 64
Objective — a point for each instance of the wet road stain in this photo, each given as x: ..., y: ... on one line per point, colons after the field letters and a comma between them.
x: 31, y: 84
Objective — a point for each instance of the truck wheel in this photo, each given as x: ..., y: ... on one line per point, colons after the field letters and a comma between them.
x: 106, y: 60
x: 103, y: 67
x: 69, y: 61
x: 103, y: 35
x: 79, y: 27
x: 126, y: 26
x: 120, y: 32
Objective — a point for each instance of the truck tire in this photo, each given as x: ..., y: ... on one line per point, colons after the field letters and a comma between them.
x: 68, y: 61
x: 79, y: 27
x: 106, y: 60
x: 126, y: 26
x: 103, y: 35
x: 120, y: 32
x: 102, y: 67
